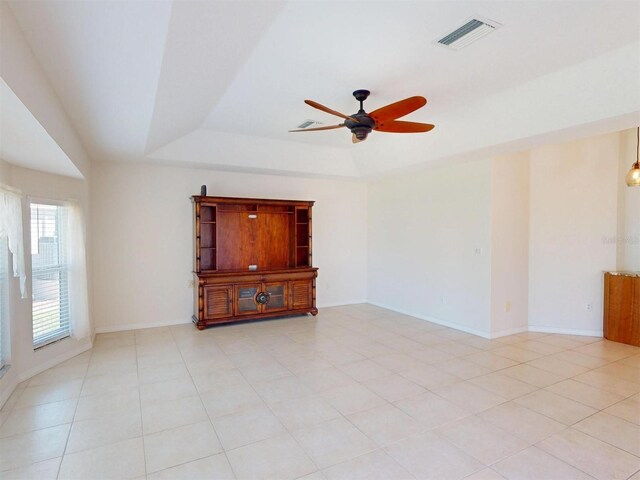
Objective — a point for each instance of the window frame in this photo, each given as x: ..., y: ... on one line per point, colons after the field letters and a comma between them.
x: 61, y: 268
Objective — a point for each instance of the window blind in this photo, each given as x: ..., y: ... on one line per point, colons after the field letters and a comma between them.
x: 4, y: 297
x: 50, y: 286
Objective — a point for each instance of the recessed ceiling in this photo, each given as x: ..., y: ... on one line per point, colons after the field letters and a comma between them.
x: 25, y: 143
x: 218, y: 84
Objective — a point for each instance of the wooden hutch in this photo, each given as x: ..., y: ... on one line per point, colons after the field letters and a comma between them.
x: 252, y: 259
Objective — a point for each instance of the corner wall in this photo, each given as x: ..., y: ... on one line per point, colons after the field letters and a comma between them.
x: 143, y: 238
x: 429, y: 249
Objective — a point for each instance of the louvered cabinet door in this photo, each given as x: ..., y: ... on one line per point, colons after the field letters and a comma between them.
x: 301, y: 294
x: 218, y: 301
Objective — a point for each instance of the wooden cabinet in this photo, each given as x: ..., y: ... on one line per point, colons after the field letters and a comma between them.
x: 622, y: 307
x: 253, y: 259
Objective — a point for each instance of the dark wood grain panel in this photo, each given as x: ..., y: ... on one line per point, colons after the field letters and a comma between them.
x: 622, y: 309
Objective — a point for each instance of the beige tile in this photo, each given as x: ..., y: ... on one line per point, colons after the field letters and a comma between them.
x: 481, y: 439
x: 333, y: 442
x: 428, y: 456
x: 610, y: 351
x: 180, y: 445
x: 557, y: 407
x: 633, y: 361
x: 456, y: 349
x: 432, y: 410
x: 46, y: 470
x: 430, y: 355
x: 263, y: 371
x: 516, y: 354
x: 586, y: 394
x: 469, y: 396
x: 220, y: 378
x: 462, y: 368
x: 532, y: 375
x: 164, y: 391
x: 248, y: 426
x: 558, y: 367
x: 491, y: 361
x: 214, y: 467
x: 485, y: 474
x: 365, y: 370
x: 622, y: 371
x: 52, y: 392
x: 171, y: 414
x: 581, y: 359
x: 352, y: 398
x: 109, y: 383
x: 256, y: 461
x: 325, y: 379
x: 119, y: 460
x: 429, y: 376
x: 58, y: 374
x: 386, y: 424
x: 27, y: 448
x: 394, y: 387
x: 376, y: 465
x: 24, y: 420
x: 609, y: 383
x: 613, y: 430
x: 538, y: 347
x: 503, y: 385
x: 522, y: 422
x: 590, y: 455
x: 280, y: 389
x: 628, y: 409
x: 226, y: 400
x: 97, y: 405
x: 104, y: 430
x: 536, y: 464
x: 304, y: 412
x: 162, y: 373
x: 396, y: 361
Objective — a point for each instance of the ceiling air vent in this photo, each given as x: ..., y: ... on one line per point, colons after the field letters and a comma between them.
x: 309, y: 123
x: 472, y: 30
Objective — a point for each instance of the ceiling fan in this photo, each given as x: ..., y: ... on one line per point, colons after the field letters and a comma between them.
x: 382, y: 119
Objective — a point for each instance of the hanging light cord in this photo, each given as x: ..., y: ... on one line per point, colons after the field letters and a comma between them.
x: 638, y: 149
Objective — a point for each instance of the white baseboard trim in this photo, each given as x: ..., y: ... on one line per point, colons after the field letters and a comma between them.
x: 566, y: 331
x: 341, y: 304
x: 435, y: 320
x: 52, y: 362
x: 138, y: 326
x: 6, y: 392
x: 509, y: 331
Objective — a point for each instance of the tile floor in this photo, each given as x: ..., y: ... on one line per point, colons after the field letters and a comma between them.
x: 357, y: 392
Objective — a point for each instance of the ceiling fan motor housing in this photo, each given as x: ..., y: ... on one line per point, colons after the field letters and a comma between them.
x: 363, y: 127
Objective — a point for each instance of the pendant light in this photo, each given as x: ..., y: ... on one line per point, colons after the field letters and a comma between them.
x: 633, y: 177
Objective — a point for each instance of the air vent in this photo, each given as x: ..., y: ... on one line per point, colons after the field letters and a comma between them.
x: 472, y: 30
x: 309, y: 123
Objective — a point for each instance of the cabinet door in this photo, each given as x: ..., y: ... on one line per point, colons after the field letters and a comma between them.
x: 277, y: 292
x: 245, y: 303
x: 218, y: 301
x: 301, y: 293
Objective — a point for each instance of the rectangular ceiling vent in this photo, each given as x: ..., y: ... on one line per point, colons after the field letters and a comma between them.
x: 473, y: 29
x: 309, y: 123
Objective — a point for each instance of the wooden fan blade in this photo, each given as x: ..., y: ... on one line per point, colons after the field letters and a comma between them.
x: 355, y: 139
x: 330, y: 127
x: 398, y: 109
x: 328, y: 110
x: 396, y: 126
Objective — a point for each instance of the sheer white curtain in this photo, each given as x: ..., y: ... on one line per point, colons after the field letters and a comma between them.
x: 76, y: 257
x: 11, y: 227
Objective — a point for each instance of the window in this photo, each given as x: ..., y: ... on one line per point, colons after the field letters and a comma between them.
x: 50, y: 274
x: 4, y: 300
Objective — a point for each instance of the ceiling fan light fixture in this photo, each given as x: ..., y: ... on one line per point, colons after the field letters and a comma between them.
x: 633, y: 177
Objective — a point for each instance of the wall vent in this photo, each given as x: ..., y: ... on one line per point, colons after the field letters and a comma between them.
x: 309, y: 123
x: 473, y: 29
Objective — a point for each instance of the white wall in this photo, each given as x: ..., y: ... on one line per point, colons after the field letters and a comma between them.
x: 509, y: 244
x: 573, y: 214
x: 423, y: 233
x: 628, y: 206
x: 25, y: 362
x: 143, y: 237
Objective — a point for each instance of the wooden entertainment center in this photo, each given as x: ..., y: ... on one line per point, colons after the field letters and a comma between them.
x: 252, y: 259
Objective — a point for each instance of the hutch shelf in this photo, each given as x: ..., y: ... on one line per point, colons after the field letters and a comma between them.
x: 253, y: 259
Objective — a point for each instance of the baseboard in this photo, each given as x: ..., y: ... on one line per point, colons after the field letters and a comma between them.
x: 139, y: 326
x: 566, y: 331
x: 52, y: 362
x: 509, y: 331
x: 435, y: 320
x: 341, y: 304
x: 6, y: 392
